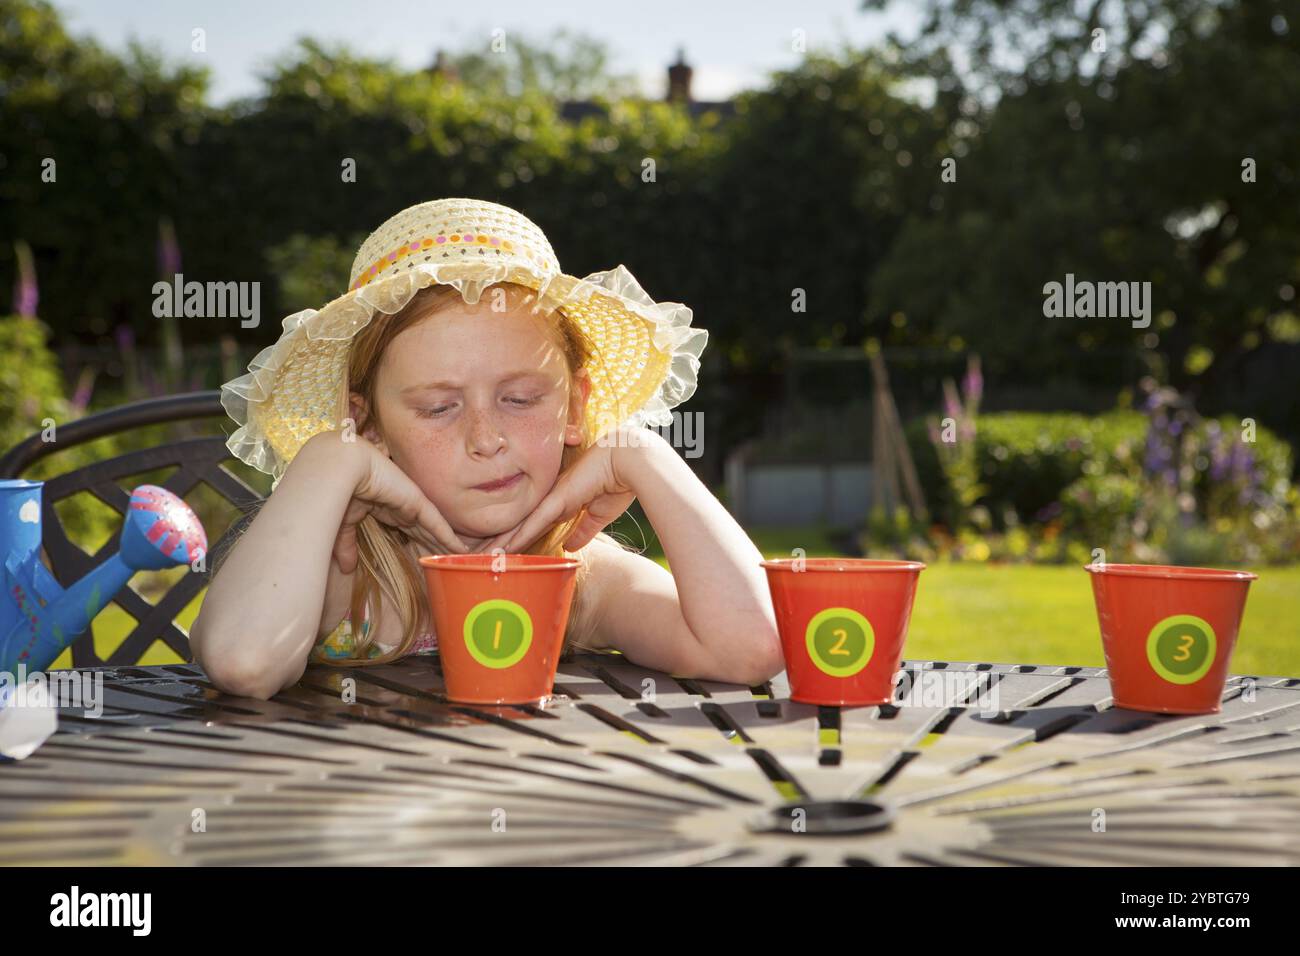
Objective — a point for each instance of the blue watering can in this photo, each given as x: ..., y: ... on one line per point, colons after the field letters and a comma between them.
x: 38, y: 618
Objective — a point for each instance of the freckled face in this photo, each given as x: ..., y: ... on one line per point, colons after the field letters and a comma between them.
x: 469, y: 396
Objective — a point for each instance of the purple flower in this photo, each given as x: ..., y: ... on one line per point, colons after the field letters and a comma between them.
x: 26, y: 292
x: 26, y: 298
x: 951, y: 404
x: 1219, y: 461
x: 1157, y: 452
x: 973, y: 386
x: 1250, y: 468
x: 1237, y: 464
x: 169, y: 250
x: 85, y: 386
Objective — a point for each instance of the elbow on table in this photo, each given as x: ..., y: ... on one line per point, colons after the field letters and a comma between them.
x: 239, y: 678
x: 767, y: 661
x: 768, y: 668
x: 236, y: 674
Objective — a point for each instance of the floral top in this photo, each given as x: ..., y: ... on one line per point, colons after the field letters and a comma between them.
x: 341, y: 644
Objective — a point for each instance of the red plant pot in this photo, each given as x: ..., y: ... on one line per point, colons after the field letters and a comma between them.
x: 500, y: 621
x: 1168, y: 633
x: 843, y: 622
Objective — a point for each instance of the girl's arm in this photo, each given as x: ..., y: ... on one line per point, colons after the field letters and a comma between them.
x: 263, y: 609
x: 712, y: 617
x: 288, y: 578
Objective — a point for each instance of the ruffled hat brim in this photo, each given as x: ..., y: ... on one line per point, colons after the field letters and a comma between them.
x: 646, y: 361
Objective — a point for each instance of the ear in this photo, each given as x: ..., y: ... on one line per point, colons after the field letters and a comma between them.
x: 360, y: 413
x: 577, y: 407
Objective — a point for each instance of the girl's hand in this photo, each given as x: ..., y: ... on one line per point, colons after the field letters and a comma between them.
x: 593, y: 484
x: 388, y: 493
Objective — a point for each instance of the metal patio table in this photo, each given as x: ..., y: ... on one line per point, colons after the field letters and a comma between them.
x: 617, y: 771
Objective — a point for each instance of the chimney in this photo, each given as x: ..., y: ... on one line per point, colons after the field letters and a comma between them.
x: 679, y: 80
x: 444, y: 67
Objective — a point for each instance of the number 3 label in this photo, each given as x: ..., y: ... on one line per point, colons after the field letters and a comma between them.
x: 1181, y: 648
x: 498, y: 633
x: 840, y: 641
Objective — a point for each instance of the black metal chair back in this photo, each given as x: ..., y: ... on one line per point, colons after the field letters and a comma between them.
x: 196, y: 460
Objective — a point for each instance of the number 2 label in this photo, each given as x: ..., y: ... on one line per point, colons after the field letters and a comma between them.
x: 840, y: 641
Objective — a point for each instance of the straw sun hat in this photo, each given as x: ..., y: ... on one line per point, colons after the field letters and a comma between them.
x: 646, y: 354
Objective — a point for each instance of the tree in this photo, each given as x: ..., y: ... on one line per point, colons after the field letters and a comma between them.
x: 1125, y: 166
x: 90, y: 144
x: 564, y: 66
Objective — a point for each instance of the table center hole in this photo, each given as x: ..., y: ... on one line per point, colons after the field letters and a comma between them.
x: 826, y: 818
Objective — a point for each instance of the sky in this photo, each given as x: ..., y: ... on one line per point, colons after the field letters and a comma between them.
x: 732, y: 44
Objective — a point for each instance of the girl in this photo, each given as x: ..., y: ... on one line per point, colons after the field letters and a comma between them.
x: 466, y: 395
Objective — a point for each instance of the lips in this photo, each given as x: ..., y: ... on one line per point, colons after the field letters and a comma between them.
x: 499, y: 484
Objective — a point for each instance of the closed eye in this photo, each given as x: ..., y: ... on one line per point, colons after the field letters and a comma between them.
x: 440, y: 410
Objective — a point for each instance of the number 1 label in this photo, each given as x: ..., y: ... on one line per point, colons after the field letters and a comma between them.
x: 498, y: 633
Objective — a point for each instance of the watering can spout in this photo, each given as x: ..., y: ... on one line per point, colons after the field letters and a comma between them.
x: 38, y: 619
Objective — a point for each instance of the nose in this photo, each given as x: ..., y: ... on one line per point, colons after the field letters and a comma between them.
x: 483, y: 437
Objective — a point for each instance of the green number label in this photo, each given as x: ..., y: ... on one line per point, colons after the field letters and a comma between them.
x: 1181, y: 648
x: 840, y: 641
x: 498, y: 633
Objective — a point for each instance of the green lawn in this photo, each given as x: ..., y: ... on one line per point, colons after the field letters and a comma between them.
x: 1026, y: 614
